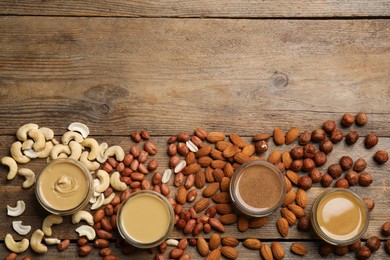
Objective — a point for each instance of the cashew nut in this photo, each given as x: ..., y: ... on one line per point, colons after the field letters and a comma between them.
x: 21, y: 229
x: 62, y: 155
x: 52, y: 241
x: 28, y: 144
x: 94, y: 146
x: 91, y: 166
x: 17, y: 210
x: 70, y: 135
x: 29, y: 175
x: 96, y: 182
x: 54, y: 141
x: 101, y: 157
x: 47, y: 132
x: 36, y: 242
x: 39, y: 139
x: 79, y: 127
x: 92, y: 200
x: 12, y: 165
x: 49, y: 221
x: 99, y: 202
x: 109, y: 199
x: 115, y: 150
x: 104, y: 178
x: 87, y: 231
x: 116, y: 183
x: 57, y: 149
x: 76, y: 150
x: 82, y: 215
x: 21, y: 133
x: 16, y: 153
x: 16, y: 247
x: 30, y: 153
x: 46, y: 152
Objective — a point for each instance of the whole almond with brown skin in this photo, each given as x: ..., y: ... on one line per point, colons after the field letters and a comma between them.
x: 215, y: 241
x: 274, y: 157
x: 257, y: 222
x: 224, y: 208
x: 211, y: 189
x: 242, y: 224
x: 181, y: 195
x: 261, y: 137
x: 282, y: 226
x: 64, y: 244
x: 222, y: 145
x: 266, y: 252
x: 228, y: 170
x: 214, y: 137
x: 228, y: 219
x: 252, y: 243
x: 205, y: 150
x: 288, y: 184
x: 218, y: 175
x: 214, y: 255
x: 299, y: 249
x: 200, y: 179
x: 301, y: 198
x: 241, y: 158
x: 202, y: 204
x: 218, y: 164
x: 230, y: 241
x: 288, y: 215
x: 292, y: 135
x: 197, y: 141
x: 202, y: 246
x: 201, y: 133
x: 249, y: 149
x: 216, y: 224
x: 289, y: 198
x: 230, y: 151
x: 204, y: 161
x: 222, y: 197
x: 190, y: 158
x: 286, y: 159
x: 278, y: 136
x: 237, y: 140
x: 277, y: 250
x: 225, y: 184
x: 191, y: 169
x: 293, y: 176
x: 297, y: 210
x: 229, y: 252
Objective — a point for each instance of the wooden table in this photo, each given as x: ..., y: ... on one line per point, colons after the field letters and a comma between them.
x: 168, y: 66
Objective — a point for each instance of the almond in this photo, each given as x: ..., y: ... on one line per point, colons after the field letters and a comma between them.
x: 225, y: 184
x: 218, y: 164
x: 214, y: 137
x: 292, y: 176
x: 202, y: 204
x: 230, y: 151
x: 274, y: 157
x: 205, y: 150
x: 224, y: 208
x: 286, y: 159
x: 222, y: 197
x: 200, y: 179
x: 208, y: 173
x: 229, y: 252
x: 237, y: 140
x: 288, y: 215
x: 216, y: 224
x: 204, y: 161
x: 266, y: 252
x: 252, y: 243
x: 277, y: 250
x: 215, y: 241
x: 278, y: 136
x: 216, y: 155
x: 218, y: 175
x: 228, y: 170
x: 228, y: 219
x: 211, y: 189
x: 257, y: 222
x: 191, y: 169
x: 301, y: 198
x: 202, y: 246
x: 297, y: 210
x: 289, y: 198
x: 299, y: 249
x: 214, y: 255
x: 181, y: 195
x: 242, y: 224
x: 261, y: 137
x: 222, y: 145
x: 230, y: 241
x: 292, y: 135
x: 201, y: 133
x: 241, y: 158
x: 282, y: 226
x: 288, y: 183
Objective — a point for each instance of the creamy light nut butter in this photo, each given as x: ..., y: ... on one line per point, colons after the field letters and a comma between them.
x: 145, y: 219
x: 257, y: 188
x: 339, y: 216
x: 64, y: 186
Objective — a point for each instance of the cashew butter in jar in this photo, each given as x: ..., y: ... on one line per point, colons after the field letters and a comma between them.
x: 64, y: 187
x: 257, y: 188
x: 145, y: 219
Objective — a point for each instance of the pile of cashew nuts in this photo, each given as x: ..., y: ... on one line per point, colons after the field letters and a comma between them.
x: 39, y: 142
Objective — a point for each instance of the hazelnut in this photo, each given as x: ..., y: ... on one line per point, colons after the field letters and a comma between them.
x: 369, y: 203
x: 355, y: 246
x: 386, y: 229
x: 315, y: 175
x: 351, y: 137
x: 326, y: 146
x: 261, y: 146
x: 373, y: 243
x: 304, y: 224
x: 335, y: 170
x: 296, y: 165
x: 304, y: 182
x: 365, y: 179
x: 352, y: 177
x: 326, y: 249
x: 309, y: 150
x: 363, y: 253
x: 336, y: 136
x: 326, y: 180
x: 381, y: 157
x: 346, y: 163
x: 347, y: 120
x: 305, y: 138
x: 308, y: 165
x: 387, y: 246
x: 361, y: 119
x: 342, y: 183
x: 329, y: 126
x: 296, y: 152
x: 371, y: 140
x: 318, y: 135
x: 359, y: 165
x: 341, y: 250
x: 320, y: 158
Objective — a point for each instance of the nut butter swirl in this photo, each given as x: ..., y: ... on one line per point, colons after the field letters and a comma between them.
x: 66, y: 186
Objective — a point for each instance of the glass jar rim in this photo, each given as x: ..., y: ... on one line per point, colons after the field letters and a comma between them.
x: 237, y: 203
x: 318, y: 229
x: 70, y: 211
x: 135, y: 243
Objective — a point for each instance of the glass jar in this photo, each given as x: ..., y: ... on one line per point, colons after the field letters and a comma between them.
x: 145, y: 219
x: 339, y: 217
x: 64, y: 186
x: 257, y: 188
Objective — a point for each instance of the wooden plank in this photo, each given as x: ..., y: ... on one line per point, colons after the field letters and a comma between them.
x: 202, y: 8
x: 172, y: 74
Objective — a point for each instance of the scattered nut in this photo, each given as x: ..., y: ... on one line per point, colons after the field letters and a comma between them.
x: 347, y: 120
x: 381, y: 157
x: 346, y: 163
x: 17, y: 247
x: 318, y: 135
x: 352, y: 178
x: 21, y: 229
x: 360, y: 165
x: 329, y: 126
x: 373, y: 243
x: 351, y: 137
x: 365, y: 179
x: 12, y: 165
x: 363, y: 253
x: 361, y: 119
x: 29, y: 175
x: 336, y: 136
x: 369, y: 203
x: 49, y: 221
x: 326, y: 146
x: 17, y: 210
x: 386, y: 229
x: 371, y: 140
x: 36, y: 242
